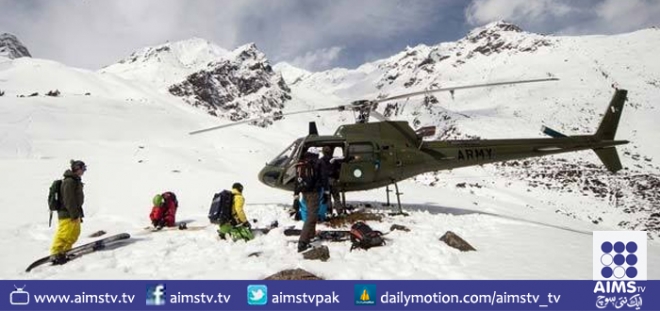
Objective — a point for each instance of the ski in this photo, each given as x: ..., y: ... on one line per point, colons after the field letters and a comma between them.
x: 273, y: 225
x: 328, y: 235
x: 83, y: 249
x: 191, y: 228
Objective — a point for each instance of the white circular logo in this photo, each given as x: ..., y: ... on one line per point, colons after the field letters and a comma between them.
x: 357, y: 173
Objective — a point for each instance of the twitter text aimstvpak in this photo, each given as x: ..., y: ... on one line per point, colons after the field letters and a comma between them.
x: 305, y: 298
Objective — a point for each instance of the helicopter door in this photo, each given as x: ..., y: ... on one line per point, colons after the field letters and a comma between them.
x: 362, y: 168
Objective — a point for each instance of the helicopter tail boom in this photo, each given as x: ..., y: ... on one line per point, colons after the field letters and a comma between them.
x: 607, y: 130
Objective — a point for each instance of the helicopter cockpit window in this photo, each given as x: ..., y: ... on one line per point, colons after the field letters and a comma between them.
x: 285, y: 157
x: 364, y: 150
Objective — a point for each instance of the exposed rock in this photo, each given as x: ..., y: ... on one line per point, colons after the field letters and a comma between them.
x: 293, y: 274
x: 633, y: 192
x: 321, y: 253
x: 237, y: 89
x: 399, y: 227
x: 255, y: 254
x: 11, y: 47
x: 55, y: 93
x: 456, y: 242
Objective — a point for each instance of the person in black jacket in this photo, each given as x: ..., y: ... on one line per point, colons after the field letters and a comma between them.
x: 312, y: 182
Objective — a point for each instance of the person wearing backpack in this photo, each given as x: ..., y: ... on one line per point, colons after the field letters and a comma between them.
x: 70, y: 213
x: 312, y: 182
x: 163, y: 213
x: 237, y: 226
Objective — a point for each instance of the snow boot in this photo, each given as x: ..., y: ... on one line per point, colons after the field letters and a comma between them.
x: 59, y: 259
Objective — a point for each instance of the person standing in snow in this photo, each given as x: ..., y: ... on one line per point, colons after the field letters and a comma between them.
x: 239, y: 227
x: 312, y: 182
x: 71, y: 214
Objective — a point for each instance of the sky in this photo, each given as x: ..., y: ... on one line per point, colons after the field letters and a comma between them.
x: 314, y: 35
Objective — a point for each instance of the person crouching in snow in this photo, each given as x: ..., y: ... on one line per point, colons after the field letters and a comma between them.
x: 163, y: 213
x: 238, y: 227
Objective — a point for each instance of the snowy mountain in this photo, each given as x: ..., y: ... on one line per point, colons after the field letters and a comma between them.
x: 232, y: 85
x: 132, y: 133
x: 587, y: 67
x: 11, y: 47
x: 169, y: 63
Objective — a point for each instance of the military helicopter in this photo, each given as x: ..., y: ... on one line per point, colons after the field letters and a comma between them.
x: 385, y: 152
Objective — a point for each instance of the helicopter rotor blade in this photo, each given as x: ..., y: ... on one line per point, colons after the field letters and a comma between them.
x: 362, y: 103
x: 446, y: 89
x: 263, y: 118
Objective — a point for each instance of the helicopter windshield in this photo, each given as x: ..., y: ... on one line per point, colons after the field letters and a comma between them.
x: 285, y: 157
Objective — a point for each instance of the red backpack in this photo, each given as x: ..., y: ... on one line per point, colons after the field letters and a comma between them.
x: 362, y: 236
x: 163, y: 213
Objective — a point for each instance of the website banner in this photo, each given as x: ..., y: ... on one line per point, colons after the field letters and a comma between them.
x: 330, y: 295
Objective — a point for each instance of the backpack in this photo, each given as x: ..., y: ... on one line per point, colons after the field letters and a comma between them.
x: 362, y: 236
x: 170, y: 197
x: 221, y: 210
x: 54, y: 199
x: 305, y: 175
x: 160, y: 213
x: 55, y: 196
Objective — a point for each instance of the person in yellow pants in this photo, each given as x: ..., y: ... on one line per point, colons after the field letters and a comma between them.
x: 70, y: 215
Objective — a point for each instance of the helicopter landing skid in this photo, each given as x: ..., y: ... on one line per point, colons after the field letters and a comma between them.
x: 398, y: 200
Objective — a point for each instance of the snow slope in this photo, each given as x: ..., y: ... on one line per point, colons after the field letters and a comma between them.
x: 133, y: 139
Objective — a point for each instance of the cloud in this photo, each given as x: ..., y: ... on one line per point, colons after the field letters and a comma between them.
x: 93, y: 34
x: 568, y: 17
x: 483, y: 12
x: 321, y: 58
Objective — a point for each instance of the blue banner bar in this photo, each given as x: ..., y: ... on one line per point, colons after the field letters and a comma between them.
x: 330, y: 295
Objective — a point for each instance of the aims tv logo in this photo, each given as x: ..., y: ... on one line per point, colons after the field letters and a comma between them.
x: 619, y: 259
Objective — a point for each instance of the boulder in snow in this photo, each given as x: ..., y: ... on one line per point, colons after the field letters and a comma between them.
x: 456, y: 242
x: 321, y: 253
x: 293, y: 274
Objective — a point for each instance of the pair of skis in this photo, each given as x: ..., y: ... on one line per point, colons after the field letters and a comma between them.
x: 114, y: 240
x: 325, y: 235
x: 84, y: 249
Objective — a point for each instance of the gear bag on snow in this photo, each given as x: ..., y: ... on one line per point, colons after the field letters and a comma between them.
x: 221, y: 208
x: 362, y: 236
x: 54, y: 199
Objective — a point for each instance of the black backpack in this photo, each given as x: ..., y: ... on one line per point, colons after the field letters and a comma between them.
x: 55, y: 199
x: 305, y: 176
x: 362, y: 236
x: 221, y: 208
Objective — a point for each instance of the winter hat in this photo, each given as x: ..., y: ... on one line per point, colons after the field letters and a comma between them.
x: 238, y: 187
x: 77, y: 164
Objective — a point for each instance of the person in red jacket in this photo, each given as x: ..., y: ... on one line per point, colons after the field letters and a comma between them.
x: 163, y: 214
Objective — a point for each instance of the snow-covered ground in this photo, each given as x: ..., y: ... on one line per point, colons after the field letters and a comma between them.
x: 134, y: 140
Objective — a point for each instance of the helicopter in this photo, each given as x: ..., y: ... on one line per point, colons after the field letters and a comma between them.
x: 383, y: 153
